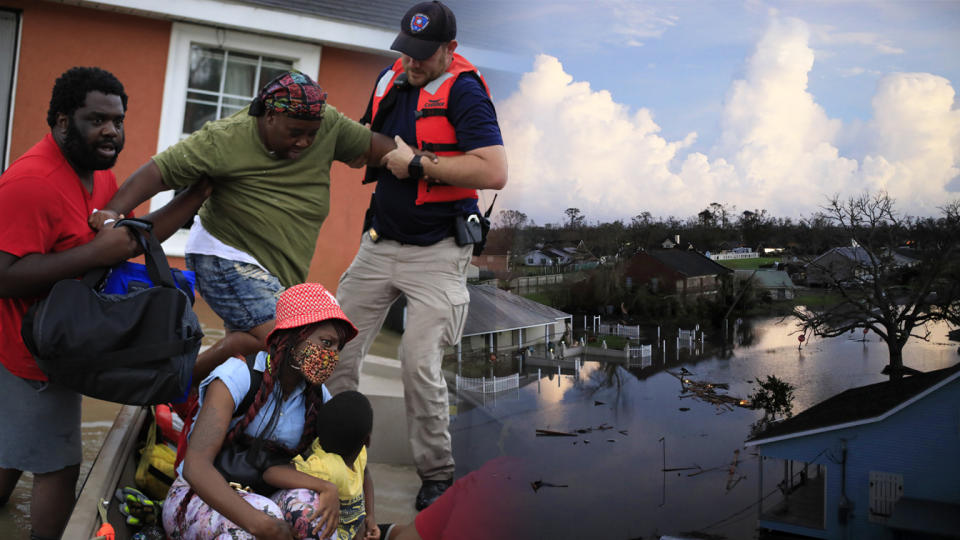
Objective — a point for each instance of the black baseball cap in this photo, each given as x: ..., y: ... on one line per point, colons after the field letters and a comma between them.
x: 424, y: 27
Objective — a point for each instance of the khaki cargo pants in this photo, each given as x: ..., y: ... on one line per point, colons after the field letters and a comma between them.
x: 433, y: 279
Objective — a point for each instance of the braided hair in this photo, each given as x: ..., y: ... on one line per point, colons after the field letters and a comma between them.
x: 280, y: 347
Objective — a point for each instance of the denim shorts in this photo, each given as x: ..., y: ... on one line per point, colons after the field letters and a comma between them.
x: 242, y: 294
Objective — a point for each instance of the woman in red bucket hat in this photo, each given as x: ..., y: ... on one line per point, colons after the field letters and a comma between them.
x: 228, y: 441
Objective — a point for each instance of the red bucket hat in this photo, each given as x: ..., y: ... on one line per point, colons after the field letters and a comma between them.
x: 309, y: 303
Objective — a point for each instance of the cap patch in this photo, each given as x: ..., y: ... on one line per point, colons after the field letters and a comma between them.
x: 419, y: 22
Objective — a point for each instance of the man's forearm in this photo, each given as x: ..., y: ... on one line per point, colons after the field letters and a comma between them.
x: 484, y: 168
x: 171, y: 216
x: 379, y: 146
x: 144, y: 183
x: 480, y: 168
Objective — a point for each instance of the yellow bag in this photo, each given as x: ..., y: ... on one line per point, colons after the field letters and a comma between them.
x: 155, y: 472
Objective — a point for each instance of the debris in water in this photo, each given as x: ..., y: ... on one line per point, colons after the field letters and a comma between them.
x: 611, y: 440
x: 537, y: 484
x: 684, y: 409
x: 623, y: 432
x: 595, y: 403
x: 672, y: 469
x: 552, y: 433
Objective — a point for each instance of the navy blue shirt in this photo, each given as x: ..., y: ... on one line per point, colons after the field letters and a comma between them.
x: 395, y: 212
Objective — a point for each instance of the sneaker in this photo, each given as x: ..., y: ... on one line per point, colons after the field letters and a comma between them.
x: 430, y: 490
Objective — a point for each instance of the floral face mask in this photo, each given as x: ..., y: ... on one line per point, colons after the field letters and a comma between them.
x: 315, y: 363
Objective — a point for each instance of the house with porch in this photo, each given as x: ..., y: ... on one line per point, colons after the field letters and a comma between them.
x: 501, y: 322
x: 877, y: 461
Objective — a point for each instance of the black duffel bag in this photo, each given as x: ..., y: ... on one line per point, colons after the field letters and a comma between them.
x: 137, y: 348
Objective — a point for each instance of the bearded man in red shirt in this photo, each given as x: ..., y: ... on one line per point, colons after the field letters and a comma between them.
x: 46, y: 197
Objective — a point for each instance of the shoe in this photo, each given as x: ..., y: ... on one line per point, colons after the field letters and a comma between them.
x: 430, y: 491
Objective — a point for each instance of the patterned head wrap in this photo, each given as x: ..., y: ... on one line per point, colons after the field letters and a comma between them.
x: 293, y: 94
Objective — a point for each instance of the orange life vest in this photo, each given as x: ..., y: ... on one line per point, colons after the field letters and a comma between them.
x: 434, y: 131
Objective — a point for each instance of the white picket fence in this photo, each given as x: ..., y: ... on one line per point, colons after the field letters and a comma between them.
x: 728, y: 256
x: 488, y: 386
x: 620, y: 330
x: 641, y: 351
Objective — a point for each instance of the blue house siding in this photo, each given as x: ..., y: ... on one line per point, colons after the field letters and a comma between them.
x: 920, y: 442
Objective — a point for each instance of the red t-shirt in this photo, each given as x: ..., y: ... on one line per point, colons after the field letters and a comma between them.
x: 44, y: 209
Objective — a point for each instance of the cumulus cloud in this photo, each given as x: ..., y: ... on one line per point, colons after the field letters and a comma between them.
x: 916, y: 146
x: 570, y: 145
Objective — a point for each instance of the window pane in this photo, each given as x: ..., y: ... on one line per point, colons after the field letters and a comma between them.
x: 241, y: 70
x: 199, y: 110
x: 206, y: 66
x: 205, y: 93
x: 229, y: 111
x: 271, y: 69
x: 235, y: 103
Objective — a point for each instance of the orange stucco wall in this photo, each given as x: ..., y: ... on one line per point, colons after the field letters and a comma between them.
x: 56, y: 37
x: 348, y: 77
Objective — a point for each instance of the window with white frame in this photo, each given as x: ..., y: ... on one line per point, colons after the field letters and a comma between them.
x: 221, y: 82
x: 213, y: 73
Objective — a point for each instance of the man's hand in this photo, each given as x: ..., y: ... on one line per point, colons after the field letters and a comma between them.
x: 398, y: 159
x: 114, y: 244
x: 98, y: 217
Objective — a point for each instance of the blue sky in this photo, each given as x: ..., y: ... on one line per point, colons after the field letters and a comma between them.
x: 666, y: 107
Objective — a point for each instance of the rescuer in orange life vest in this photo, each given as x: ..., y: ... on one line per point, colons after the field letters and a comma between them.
x: 432, y: 99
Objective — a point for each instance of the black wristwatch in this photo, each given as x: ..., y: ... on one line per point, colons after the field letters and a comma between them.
x: 415, y: 169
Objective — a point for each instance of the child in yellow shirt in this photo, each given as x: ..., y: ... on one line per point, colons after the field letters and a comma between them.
x: 339, y: 456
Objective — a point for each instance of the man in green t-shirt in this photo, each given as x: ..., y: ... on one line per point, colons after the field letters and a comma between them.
x: 269, y: 166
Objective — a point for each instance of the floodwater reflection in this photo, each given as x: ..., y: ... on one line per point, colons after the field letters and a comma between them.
x: 646, y: 460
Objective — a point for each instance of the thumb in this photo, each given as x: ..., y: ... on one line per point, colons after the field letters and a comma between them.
x: 400, y: 142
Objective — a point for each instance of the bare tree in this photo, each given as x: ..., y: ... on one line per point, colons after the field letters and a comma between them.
x: 892, y: 294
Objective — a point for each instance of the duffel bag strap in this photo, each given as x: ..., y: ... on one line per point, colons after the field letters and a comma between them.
x: 156, y: 261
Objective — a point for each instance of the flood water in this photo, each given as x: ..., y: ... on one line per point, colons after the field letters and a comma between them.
x: 631, y: 423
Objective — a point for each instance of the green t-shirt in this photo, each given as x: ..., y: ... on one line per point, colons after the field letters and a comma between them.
x: 268, y: 207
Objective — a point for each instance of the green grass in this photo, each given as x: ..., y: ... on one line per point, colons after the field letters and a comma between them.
x: 817, y: 299
x: 538, y: 297
x: 613, y: 342
x: 748, y: 264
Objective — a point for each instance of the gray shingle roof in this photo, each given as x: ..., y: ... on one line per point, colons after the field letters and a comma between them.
x: 688, y: 263
x: 478, y: 23
x: 495, y: 310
